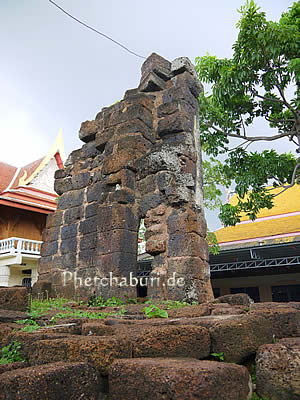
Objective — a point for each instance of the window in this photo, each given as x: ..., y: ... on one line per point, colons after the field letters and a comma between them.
x: 286, y: 293
x: 252, y: 292
x: 216, y: 292
x: 26, y: 282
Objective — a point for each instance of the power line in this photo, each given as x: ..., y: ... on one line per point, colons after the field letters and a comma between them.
x: 95, y: 30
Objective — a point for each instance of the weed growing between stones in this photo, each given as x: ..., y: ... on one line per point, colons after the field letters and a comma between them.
x: 256, y: 397
x: 253, y: 373
x: 41, y: 307
x: 98, y: 301
x: 153, y: 311
x: 171, y: 305
x: 11, y: 353
x: 88, y: 314
x: 217, y: 356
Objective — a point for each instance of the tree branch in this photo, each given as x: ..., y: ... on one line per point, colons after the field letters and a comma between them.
x: 286, y: 103
x: 269, y: 98
x: 258, y: 138
x: 292, y: 182
x: 252, y: 138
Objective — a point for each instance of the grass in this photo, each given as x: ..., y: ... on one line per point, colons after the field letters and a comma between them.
x: 39, y: 308
x: 11, y: 354
x: 42, y: 307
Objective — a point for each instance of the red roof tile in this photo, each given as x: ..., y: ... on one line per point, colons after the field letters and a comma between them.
x: 7, y: 173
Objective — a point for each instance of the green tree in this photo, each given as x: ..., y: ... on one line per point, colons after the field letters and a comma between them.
x: 254, y: 84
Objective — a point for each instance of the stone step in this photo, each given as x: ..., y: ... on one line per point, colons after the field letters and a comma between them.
x: 278, y: 370
x: 56, y: 381
x: 177, y: 379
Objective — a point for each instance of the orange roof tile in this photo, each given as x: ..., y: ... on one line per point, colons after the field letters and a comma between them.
x: 26, y: 171
x: 7, y: 173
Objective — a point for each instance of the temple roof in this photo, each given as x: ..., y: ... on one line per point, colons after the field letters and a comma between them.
x: 31, y: 187
x: 279, y: 224
x: 7, y: 173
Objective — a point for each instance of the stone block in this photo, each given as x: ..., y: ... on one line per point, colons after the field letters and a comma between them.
x: 115, y: 216
x: 134, y: 126
x: 147, y: 185
x: 163, y: 158
x: 156, y: 245
x: 51, y: 234
x: 155, y: 229
x: 183, y: 64
x: 150, y: 201
x: 88, y: 131
x: 239, y: 299
x: 94, y: 192
x: 49, y: 248
x: 186, y: 80
x: 135, y: 143
x: 60, y: 174
x: 70, y: 199
x: 68, y: 245
x: 103, y: 137
x: 69, y: 231
x: 117, y: 161
x: 278, y: 370
x: 119, y: 264
x: 55, y: 219
x: 88, y: 241
x: 180, y: 93
x: 98, y: 351
x: 191, y: 266
x: 128, y: 179
x: 73, y: 215
x: 89, y: 225
x: 146, y: 99
x: 6, y: 330
x: 14, y: 298
x: 174, y: 123
x: 171, y: 341
x: 73, y: 158
x: 239, y: 337
x: 45, y: 264
x: 91, y: 210
x: 96, y: 328
x: 157, y: 64
x: 67, y: 260
x: 52, y: 381
x: 186, y: 220
x: 12, y: 366
x: 131, y: 112
x: 176, y: 379
x: 87, y: 258
x: 284, y: 317
x: 152, y: 83
x: 187, y: 244
x: 63, y: 185
x: 117, y: 240
x: 166, y: 109
x: 227, y: 309
x: 122, y: 196
x: 89, y: 150
x: 80, y: 181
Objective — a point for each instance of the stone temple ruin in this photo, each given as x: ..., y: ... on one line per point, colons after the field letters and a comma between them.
x: 141, y: 160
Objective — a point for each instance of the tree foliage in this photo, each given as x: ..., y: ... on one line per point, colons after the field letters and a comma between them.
x: 253, y: 84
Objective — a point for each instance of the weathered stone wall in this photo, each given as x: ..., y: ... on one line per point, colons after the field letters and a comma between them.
x: 140, y: 159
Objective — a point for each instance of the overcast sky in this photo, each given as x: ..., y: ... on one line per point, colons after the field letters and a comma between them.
x: 54, y: 73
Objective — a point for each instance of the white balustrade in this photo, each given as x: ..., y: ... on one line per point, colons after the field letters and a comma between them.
x: 14, y: 245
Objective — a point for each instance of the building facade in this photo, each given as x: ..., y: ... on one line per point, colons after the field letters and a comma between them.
x: 26, y: 198
x: 261, y: 258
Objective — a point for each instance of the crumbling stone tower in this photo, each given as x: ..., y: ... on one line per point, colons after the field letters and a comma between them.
x: 141, y: 159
